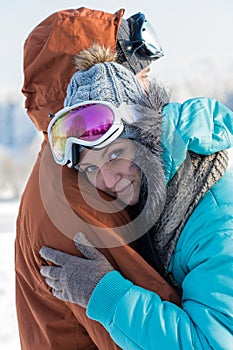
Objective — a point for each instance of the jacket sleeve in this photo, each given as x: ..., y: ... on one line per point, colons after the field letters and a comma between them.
x: 202, y: 125
x: 137, y: 318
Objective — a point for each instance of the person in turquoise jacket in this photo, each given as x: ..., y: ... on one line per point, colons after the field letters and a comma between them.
x: 184, y: 200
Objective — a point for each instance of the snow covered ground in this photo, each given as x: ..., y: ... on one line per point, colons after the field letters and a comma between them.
x: 9, y: 338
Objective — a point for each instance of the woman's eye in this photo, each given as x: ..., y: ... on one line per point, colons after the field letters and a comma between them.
x: 90, y: 169
x: 115, y: 155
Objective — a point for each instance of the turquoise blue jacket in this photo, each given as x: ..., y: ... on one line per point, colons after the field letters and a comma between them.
x: 203, y: 259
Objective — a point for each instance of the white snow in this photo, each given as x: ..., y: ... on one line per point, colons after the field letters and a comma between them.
x: 9, y: 337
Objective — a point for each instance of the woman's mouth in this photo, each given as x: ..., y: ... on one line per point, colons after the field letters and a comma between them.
x: 125, y: 192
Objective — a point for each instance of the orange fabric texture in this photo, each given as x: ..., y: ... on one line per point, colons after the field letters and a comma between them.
x: 48, y: 54
x: 53, y: 208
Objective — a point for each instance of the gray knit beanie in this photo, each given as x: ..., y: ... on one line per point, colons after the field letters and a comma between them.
x: 108, y: 81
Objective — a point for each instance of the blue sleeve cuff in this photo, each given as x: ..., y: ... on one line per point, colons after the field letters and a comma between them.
x: 105, y: 297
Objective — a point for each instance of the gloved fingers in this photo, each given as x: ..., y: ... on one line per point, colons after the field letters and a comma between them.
x: 86, y: 247
x: 62, y: 296
x: 55, y: 256
x: 52, y: 272
x: 55, y: 284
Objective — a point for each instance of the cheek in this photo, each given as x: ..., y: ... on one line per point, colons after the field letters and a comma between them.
x: 96, y: 180
x: 137, y: 177
x: 138, y: 182
x: 135, y: 171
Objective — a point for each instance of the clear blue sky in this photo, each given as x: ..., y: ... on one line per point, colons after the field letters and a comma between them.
x: 187, y: 29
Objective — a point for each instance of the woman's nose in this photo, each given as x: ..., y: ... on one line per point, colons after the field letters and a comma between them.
x: 110, y: 177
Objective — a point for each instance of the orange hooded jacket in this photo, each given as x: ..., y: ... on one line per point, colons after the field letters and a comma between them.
x: 54, y: 207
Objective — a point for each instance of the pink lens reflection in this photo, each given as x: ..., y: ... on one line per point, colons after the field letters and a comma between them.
x: 87, y: 123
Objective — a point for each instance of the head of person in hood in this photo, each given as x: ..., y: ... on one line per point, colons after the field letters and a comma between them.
x: 51, y: 46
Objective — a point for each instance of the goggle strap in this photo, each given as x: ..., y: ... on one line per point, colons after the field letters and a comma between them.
x: 75, y: 154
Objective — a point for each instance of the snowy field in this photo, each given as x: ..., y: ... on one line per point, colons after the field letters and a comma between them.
x: 9, y: 338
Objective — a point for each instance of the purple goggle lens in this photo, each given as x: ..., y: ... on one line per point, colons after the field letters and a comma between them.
x: 83, y: 124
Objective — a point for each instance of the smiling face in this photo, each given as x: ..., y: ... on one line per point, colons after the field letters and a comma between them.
x: 111, y: 169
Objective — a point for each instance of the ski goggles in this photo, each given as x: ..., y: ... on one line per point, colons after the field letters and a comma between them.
x: 91, y: 124
x: 143, y: 38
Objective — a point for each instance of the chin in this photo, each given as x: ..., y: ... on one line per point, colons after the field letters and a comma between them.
x: 130, y: 201
x: 133, y: 202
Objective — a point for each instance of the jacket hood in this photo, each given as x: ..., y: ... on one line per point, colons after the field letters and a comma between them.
x: 49, y: 51
x: 201, y: 125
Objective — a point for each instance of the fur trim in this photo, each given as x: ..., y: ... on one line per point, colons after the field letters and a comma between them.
x: 95, y: 54
x: 149, y: 156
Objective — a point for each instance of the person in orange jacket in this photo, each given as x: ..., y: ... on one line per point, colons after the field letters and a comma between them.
x: 52, y: 208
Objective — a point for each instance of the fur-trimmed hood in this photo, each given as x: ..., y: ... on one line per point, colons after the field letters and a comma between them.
x: 149, y: 157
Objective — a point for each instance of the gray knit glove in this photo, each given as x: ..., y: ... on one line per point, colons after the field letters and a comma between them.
x: 75, y: 278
